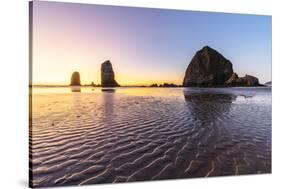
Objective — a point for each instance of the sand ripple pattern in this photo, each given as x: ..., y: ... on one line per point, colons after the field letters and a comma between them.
x: 87, y: 138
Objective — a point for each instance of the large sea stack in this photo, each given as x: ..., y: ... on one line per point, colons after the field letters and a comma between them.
x: 75, y: 79
x: 208, y: 68
x: 107, y: 75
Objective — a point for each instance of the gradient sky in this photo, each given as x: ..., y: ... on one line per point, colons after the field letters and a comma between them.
x: 144, y: 45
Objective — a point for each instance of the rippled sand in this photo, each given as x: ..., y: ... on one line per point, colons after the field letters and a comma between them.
x: 137, y: 134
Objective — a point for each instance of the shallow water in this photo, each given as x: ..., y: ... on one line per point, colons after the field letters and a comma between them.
x: 130, y: 134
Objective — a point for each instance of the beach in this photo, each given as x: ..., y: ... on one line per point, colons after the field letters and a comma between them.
x: 143, y: 133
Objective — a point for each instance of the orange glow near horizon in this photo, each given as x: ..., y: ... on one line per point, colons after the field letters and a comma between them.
x: 59, y: 49
x: 56, y: 57
x: 87, y: 77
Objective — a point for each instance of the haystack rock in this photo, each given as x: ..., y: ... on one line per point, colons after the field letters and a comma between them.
x: 75, y: 79
x: 207, y: 68
x: 107, y: 75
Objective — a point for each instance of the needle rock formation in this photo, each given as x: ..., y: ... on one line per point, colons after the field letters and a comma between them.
x: 107, y: 75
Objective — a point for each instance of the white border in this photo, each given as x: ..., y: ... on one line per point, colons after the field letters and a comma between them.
x: 233, y: 6
x: 14, y: 91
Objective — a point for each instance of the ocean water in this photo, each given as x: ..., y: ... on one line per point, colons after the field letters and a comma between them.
x: 135, y: 134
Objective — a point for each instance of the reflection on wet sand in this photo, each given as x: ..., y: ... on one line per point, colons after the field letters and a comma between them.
x: 105, y: 137
x: 208, y: 106
x: 224, y: 134
x: 75, y: 89
x: 108, y: 90
x: 203, y: 97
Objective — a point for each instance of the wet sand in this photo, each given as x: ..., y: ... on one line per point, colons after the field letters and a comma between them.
x: 137, y: 134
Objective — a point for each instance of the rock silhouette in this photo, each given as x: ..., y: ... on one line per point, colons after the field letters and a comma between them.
x: 248, y: 80
x: 75, y: 79
x: 107, y: 75
x: 168, y: 85
x: 208, y: 68
x: 269, y: 84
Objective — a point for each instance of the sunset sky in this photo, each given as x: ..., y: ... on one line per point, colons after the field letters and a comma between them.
x: 144, y: 45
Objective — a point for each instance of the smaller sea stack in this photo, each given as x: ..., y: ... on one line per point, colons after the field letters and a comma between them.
x: 107, y: 75
x: 75, y: 79
x: 245, y: 81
